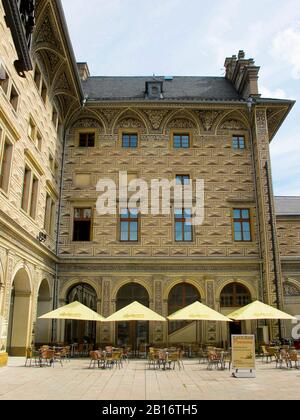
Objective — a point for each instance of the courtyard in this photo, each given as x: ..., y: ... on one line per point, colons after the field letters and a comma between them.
x: 75, y: 381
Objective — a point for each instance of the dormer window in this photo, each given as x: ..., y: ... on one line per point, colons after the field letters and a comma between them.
x: 154, y: 90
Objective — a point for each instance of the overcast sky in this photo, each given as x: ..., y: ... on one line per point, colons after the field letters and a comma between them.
x: 193, y: 37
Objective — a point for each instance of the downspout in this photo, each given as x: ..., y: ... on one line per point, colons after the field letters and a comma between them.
x: 56, y: 282
x: 56, y: 285
x: 267, y: 169
x: 251, y: 104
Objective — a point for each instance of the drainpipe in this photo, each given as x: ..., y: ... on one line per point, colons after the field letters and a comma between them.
x: 267, y: 169
x: 251, y: 106
x: 56, y: 281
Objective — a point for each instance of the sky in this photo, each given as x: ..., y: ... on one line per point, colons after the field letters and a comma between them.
x: 192, y: 38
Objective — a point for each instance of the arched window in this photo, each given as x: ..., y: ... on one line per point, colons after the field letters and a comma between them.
x: 132, y: 333
x: 130, y: 293
x: 235, y: 295
x: 181, y: 295
x: 81, y: 331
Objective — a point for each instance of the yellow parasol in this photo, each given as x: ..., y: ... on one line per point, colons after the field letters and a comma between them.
x: 74, y: 311
x: 258, y: 310
x: 135, y: 312
x: 198, y: 312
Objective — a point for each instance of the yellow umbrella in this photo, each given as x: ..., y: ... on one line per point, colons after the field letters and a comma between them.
x: 135, y: 312
x: 258, y: 310
x: 198, y: 312
x: 74, y: 311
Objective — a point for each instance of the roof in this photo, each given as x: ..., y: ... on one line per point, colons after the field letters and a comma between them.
x: 179, y: 88
x: 287, y: 206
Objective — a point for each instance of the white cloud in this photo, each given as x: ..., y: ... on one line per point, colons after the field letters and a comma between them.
x: 269, y: 93
x: 286, y: 46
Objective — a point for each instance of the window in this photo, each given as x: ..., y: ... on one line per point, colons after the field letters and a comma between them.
x: 49, y: 215
x: 30, y: 193
x: 4, y: 79
x: 51, y: 163
x: 238, y: 142
x: 86, y: 139
x: 235, y: 295
x: 34, y: 196
x: 32, y: 130
x: 180, y: 296
x: 183, y: 225
x: 39, y: 141
x: 242, y: 225
x: 5, y: 165
x: 181, y: 141
x: 130, y: 141
x: 26, y: 189
x: 82, y: 225
x: 183, y: 180
x: 129, y: 225
x: 14, y: 98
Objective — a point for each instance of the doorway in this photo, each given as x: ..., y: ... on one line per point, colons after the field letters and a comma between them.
x: 134, y: 333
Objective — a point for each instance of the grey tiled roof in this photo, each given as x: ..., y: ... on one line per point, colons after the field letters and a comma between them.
x: 287, y: 206
x: 180, y: 88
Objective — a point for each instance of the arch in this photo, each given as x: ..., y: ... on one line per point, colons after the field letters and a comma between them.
x: 20, y: 310
x: 194, y: 283
x: 253, y: 292
x: 129, y: 113
x: 234, y: 115
x: 291, y: 287
x: 71, y: 283
x: 131, y: 292
x: 81, y: 331
x: 181, y: 114
x: 181, y: 295
x: 132, y: 333
x: 235, y: 294
x: 44, y: 305
x: 86, y: 115
x: 128, y: 281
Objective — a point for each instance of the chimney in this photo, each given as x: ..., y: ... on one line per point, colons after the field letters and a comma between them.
x: 243, y: 74
x: 83, y: 70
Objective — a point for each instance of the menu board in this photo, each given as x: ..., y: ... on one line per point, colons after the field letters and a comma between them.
x: 243, y: 352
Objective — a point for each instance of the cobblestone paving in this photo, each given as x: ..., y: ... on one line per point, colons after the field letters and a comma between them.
x: 74, y: 381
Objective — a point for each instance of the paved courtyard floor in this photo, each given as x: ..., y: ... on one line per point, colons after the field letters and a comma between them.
x: 74, y: 381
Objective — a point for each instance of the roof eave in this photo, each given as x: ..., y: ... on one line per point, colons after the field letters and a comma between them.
x: 70, y: 47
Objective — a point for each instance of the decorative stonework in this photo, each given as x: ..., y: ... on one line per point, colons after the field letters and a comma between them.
x: 208, y: 118
x: 130, y: 123
x: 181, y: 123
x: 87, y: 123
x: 210, y: 300
x: 232, y: 125
x: 109, y: 114
x: 291, y: 289
x: 46, y: 33
x: 155, y: 117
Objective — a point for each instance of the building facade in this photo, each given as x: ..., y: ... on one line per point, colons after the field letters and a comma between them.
x: 61, y: 131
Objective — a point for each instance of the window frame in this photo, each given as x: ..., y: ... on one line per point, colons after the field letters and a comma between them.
x: 238, y: 137
x: 242, y: 220
x: 181, y: 134
x: 182, y: 221
x: 130, y: 135
x: 74, y: 219
x: 7, y: 177
x: 86, y: 132
x: 129, y: 220
x: 183, y: 177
